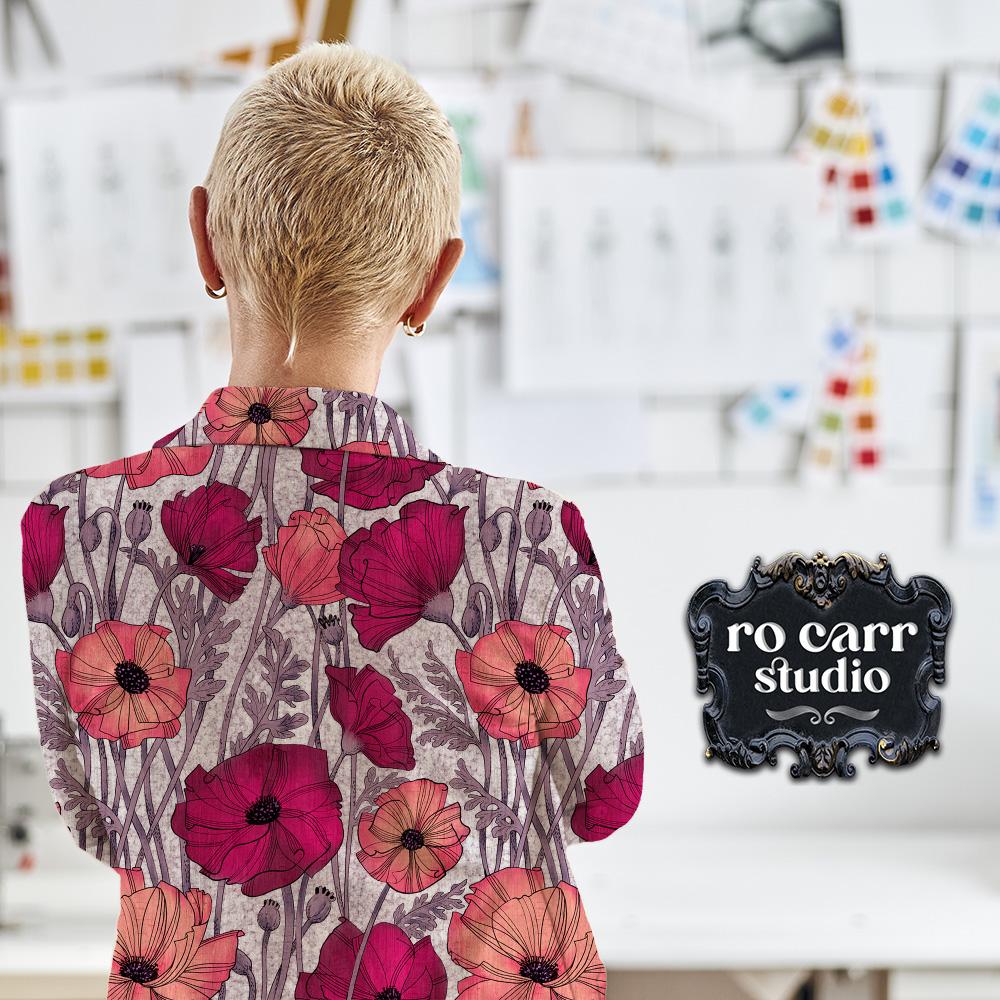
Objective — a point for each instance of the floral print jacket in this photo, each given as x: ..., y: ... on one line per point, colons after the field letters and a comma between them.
x: 331, y: 707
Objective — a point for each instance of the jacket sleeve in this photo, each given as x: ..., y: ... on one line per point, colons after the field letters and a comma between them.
x: 66, y: 748
x: 598, y: 770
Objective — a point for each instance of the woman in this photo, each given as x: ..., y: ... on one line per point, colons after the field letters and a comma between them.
x: 331, y: 707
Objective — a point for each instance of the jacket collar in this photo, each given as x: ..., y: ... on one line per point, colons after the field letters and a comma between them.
x: 305, y: 417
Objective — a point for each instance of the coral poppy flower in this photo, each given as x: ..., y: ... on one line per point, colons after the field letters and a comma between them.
x: 403, y: 570
x: 151, y: 466
x: 161, y: 952
x: 375, y: 477
x: 306, y: 558
x: 250, y: 414
x: 413, y: 838
x: 522, y: 941
x: 391, y: 966
x: 612, y: 799
x: 572, y: 522
x: 371, y: 716
x: 522, y: 682
x: 43, y: 545
x: 211, y: 536
x: 122, y: 683
x: 263, y: 818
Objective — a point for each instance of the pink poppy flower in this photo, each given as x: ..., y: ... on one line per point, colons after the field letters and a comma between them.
x: 371, y: 717
x: 523, y: 941
x: 391, y: 966
x: 375, y: 477
x: 522, y: 681
x: 572, y: 522
x: 122, y: 683
x: 153, y: 465
x: 612, y: 799
x: 414, y: 837
x: 211, y: 536
x: 250, y: 414
x: 43, y: 545
x: 161, y: 952
x: 402, y: 570
x: 263, y: 818
x: 306, y: 558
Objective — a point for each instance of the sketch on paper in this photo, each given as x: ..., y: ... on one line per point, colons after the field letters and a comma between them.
x: 696, y: 273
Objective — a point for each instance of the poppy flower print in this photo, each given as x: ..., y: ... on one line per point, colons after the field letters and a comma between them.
x: 122, y: 682
x: 522, y: 681
x: 263, y: 818
x: 212, y: 537
x: 306, y: 558
x: 402, y: 570
x: 257, y: 415
x: 161, y: 952
x: 522, y: 940
x: 391, y: 966
x: 413, y: 838
x: 576, y: 533
x: 43, y: 545
x: 371, y: 717
x: 612, y: 799
x: 375, y: 477
x: 153, y: 465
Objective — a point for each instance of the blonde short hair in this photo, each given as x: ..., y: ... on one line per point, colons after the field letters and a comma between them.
x: 333, y: 189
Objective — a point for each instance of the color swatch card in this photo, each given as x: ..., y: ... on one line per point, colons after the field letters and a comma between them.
x: 845, y: 143
x: 629, y: 275
x: 65, y: 364
x: 962, y: 195
x: 644, y: 47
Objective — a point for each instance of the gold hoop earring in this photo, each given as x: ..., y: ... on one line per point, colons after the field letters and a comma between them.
x: 216, y: 295
x: 410, y: 330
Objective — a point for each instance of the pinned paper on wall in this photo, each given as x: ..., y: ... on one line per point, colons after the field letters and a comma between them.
x: 515, y: 114
x: 314, y: 20
x: 98, y: 186
x: 699, y: 274
x: 962, y: 195
x: 643, y: 47
x: 844, y: 436
x: 845, y: 143
x: 69, y: 363
x: 976, y: 508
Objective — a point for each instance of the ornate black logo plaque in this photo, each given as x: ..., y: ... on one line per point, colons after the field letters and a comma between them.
x: 821, y: 656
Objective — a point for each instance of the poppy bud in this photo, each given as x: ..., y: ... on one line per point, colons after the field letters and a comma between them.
x: 71, y: 618
x: 331, y: 629
x: 539, y: 522
x: 471, y: 619
x: 319, y: 906
x: 489, y: 535
x: 269, y: 916
x: 138, y: 524
x: 90, y: 535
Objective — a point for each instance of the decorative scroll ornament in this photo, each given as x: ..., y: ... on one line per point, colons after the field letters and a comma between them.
x: 820, y: 579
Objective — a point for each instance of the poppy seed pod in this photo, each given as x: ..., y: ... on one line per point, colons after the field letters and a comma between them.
x: 331, y: 629
x: 138, y: 524
x: 319, y: 906
x: 269, y: 916
x: 538, y: 523
x: 90, y: 535
x: 489, y: 535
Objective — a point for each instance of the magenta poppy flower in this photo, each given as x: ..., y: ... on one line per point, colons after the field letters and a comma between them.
x: 151, y: 466
x: 43, y: 544
x: 391, y: 966
x: 375, y: 477
x: 371, y: 717
x: 212, y: 536
x: 612, y: 799
x: 402, y: 570
x: 263, y: 818
x: 252, y: 414
x: 572, y: 522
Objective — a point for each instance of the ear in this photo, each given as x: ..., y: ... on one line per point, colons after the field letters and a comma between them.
x: 198, y: 217
x: 446, y: 265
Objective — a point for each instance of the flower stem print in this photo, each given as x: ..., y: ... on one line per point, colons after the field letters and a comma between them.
x: 364, y: 943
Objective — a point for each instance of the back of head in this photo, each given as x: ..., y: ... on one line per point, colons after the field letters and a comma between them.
x: 333, y: 189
